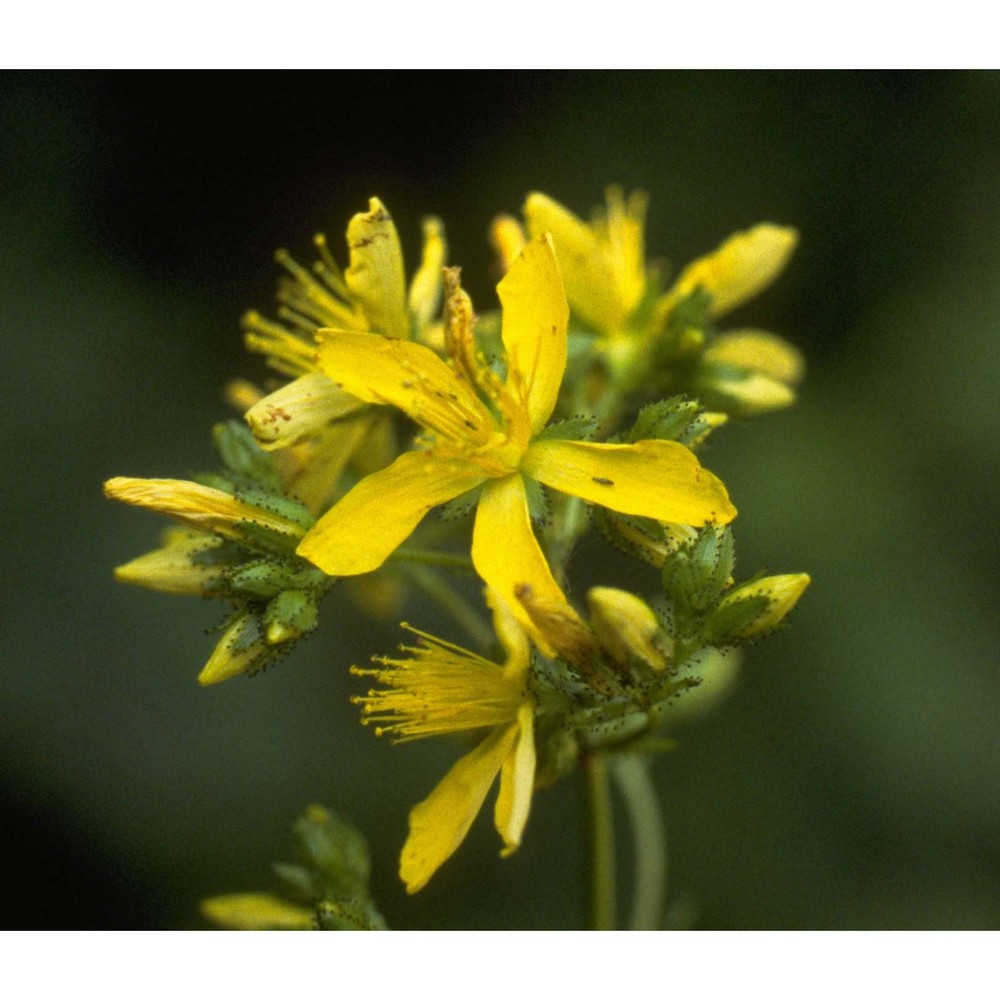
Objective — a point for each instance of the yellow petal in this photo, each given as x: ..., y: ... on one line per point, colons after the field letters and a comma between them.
x: 743, y: 266
x: 200, y: 506
x: 658, y: 479
x: 624, y: 230
x: 425, y: 289
x: 512, y: 636
x: 375, y: 276
x: 241, y: 394
x: 758, y: 351
x: 257, y: 911
x: 507, y: 555
x: 535, y: 317
x: 363, y: 529
x: 507, y: 239
x: 517, y: 782
x: 438, y: 825
x: 586, y: 268
x: 301, y: 407
x: 406, y: 375
x: 311, y: 469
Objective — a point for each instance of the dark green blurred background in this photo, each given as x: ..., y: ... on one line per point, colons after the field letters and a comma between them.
x: 852, y: 781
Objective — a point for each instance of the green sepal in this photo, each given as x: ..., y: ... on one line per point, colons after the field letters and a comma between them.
x: 217, y: 480
x: 538, y: 501
x: 265, y: 578
x: 334, y: 847
x: 462, y: 505
x: 732, y: 622
x: 693, y: 311
x: 297, y: 880
x: 276, y: 503
x: 627, y: 533
x: 264, y: 539
x: 580, y: 428
x: 695, y: 576
x: 688, y: 331
x: 245, y: 458
x: 666, y: 420
x: 348, y: 915
x: 713, y: 556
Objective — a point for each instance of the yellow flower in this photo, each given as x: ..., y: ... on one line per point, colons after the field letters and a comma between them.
x: 604, y: 263
x: 484, y: 431
x: 441, y: 689
x: 607, y: 278
x: 370, y: 296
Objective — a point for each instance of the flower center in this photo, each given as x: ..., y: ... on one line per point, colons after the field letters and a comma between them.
x: 440, y: 688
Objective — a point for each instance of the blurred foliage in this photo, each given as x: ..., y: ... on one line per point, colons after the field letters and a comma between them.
x: 850, y: 781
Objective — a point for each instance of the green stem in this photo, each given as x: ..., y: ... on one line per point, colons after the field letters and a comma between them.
x: 600, y: 837
x: 432, y: 584
x: 425, y: 557
x: 649, y: 840
x: 570, y: 524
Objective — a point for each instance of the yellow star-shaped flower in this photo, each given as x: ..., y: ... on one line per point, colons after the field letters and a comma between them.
x: 611, y: 285
x: 440, y: 689
x: 318, y: 427
x: 483, y: 431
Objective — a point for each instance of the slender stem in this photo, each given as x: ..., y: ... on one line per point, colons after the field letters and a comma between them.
x: 432, y: 584
x: 649, y: 840
x: 570, y: 524
x: 425, y: 557
x: 600, y: 836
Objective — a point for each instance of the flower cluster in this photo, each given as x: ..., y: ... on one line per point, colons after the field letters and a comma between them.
x: 583, y: 402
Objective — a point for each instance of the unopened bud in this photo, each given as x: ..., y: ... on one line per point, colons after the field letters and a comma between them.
x: 626, y: 626
x: 754, y: 609
x: 241, y: 650
x: 257, y: 911
x: 289, y: 616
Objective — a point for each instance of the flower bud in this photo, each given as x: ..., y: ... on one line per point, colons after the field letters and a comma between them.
x: 271, y: 524
x: 241, y: 650
x: 186, y: 563
x: 257, y: 911
x: 753, y: 609
x: 626, y: 626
